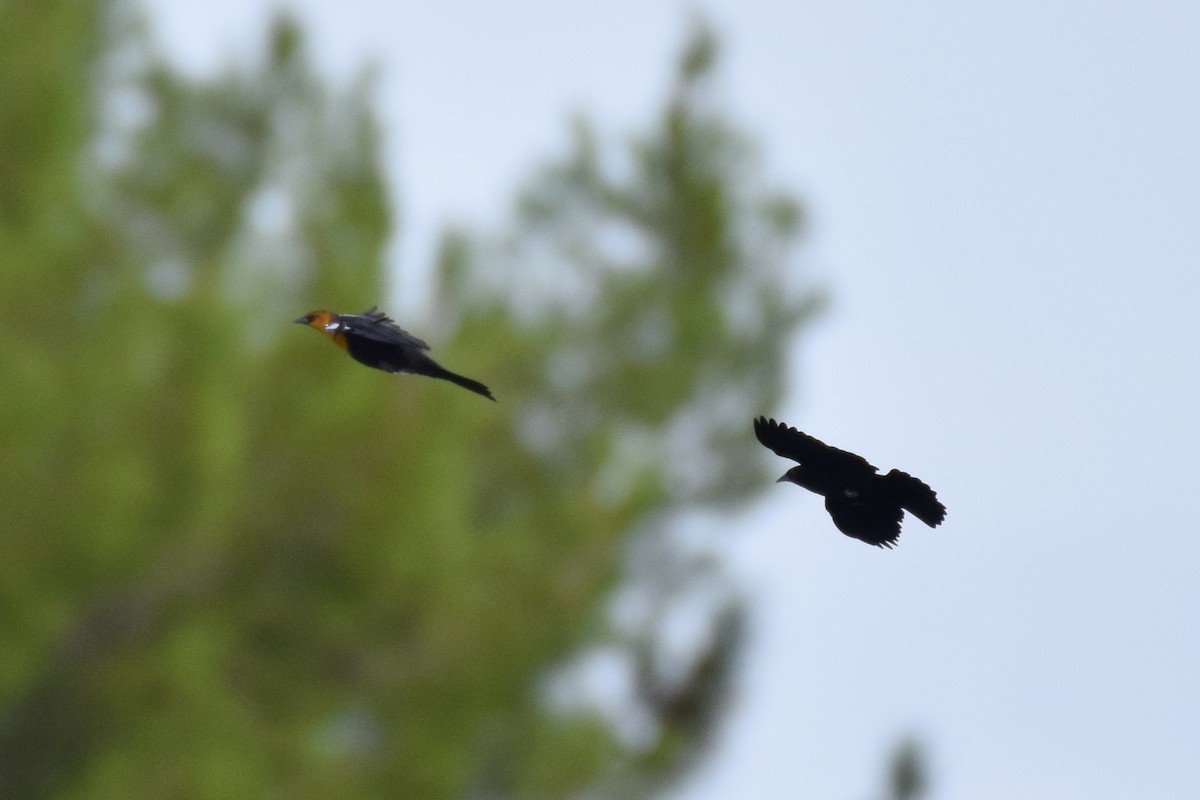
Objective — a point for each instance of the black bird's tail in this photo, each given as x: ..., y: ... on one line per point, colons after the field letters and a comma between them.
x: 438, y: 371
x: 916, y: 497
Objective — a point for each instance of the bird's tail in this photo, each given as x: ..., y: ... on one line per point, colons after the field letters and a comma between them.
x: 439, y: 371
x: 917, y: 498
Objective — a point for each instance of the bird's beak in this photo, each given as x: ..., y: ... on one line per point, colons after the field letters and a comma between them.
x: 782, y: 479
x: 301, y: 320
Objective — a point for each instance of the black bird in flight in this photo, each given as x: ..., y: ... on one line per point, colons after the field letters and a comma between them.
x: 374, y: 339
x: 864, y: 504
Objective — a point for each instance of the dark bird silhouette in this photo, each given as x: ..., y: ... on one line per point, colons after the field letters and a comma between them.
x: 374, y: 339
x: 864, y: 504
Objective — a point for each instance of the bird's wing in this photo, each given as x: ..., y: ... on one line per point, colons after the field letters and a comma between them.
x: 808, y: 450
x: 873, y: 520
x: 916, y: 497
x: 374, y: 324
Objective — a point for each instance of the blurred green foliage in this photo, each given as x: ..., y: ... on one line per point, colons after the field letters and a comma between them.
x: 908, y: 770
x: 236, y: 563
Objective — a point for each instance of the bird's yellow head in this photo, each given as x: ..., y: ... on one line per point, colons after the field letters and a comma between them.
x: 324, y: 321
x: 316, y: 319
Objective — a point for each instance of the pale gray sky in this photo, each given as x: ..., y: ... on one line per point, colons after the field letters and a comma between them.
x: 1006, y: 207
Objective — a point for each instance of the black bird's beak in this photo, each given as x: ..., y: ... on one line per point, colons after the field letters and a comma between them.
x: 301, y: 320
x: 782, y: 479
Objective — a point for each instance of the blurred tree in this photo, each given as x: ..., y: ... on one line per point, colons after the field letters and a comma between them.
x: 238, y: 564
x: 908, y: 772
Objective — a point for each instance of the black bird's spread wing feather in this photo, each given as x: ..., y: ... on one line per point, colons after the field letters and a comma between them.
x: 808, y: 450
x: 374, y: 324
x: 915, y: 496
x: 868, y: 521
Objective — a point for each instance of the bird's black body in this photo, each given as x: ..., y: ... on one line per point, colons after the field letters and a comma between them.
x: 374, y: 339
x: 864, y: 504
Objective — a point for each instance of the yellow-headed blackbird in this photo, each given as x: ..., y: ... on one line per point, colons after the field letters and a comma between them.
x: 372, y: 338
x: 864, y: 504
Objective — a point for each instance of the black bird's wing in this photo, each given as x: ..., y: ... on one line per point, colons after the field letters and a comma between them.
x: 808, y: 450
x: 915, y: 496
x: 375, y: 325
x: 872, y: 520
